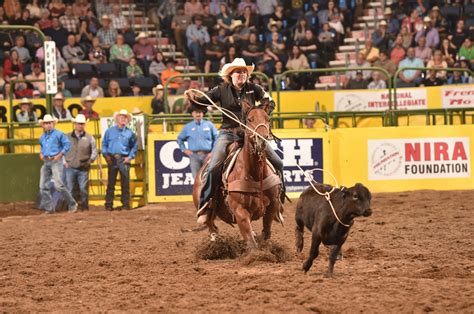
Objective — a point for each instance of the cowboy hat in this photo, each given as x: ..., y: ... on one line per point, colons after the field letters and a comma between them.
x: 88, y: 98
x: 238, y: 63
x: 142, y: 35
x: 137, y: 110
x: 427, y: 19
x: 155, y: 89
x: 388, y: 11
x: 123, y: 112
x: 105, y: 17
x: 47, y: 118
x: 235, y: 24
x: 383, y: 23
x: 58, y: 96
x: 80, y: 118
x: 25, y: 101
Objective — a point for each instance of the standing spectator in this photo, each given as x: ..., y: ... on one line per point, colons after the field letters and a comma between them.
x: 134, y: 70
x: 168, y: 73
x: 430, y: 32
x: 61, y: 113
x: 157, y: 66
x: 193, y: 8
x: 69, y: 21
x: 114, y: 89
x: 158, y: 102
x: 266, y: 8
x: 410, y: 78
x: 253, y: 52
x: 398, y: 52
x: 93, y: 89
x: 423, y: 52
x: 166, y: 12
x: 88, y: 112
x: 438, y: 62
x: 393, y: 24
x: 37, y: 74
x: 385, y: 63
x: 96, y: 53
x: 201, y: 136
x: 214, y: 51
x: 26, y: 114
x: 144, y: 52
x: 467, y: 50
x: 12, y: 66
x: 414, y: 22
x: 119, y: 22
x: 82, y: 154
x: 54, y: 145
x: 120, y: 54
x: 107, y: 35
x: 23, y: 53
x: 179, y: 25
x: 119, y: 148
x: 377, y: 82
x: 197, y: 36
x: 57, y: 33
x: 93, y: 22
x: 72, y: 52
x: 438, y: 21
x: 57, y: 8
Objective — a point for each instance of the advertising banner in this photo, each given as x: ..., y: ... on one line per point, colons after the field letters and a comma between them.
x: 419, y: 158
x: 378, y: 100
x: 173, y: 174
x: 457, y: 97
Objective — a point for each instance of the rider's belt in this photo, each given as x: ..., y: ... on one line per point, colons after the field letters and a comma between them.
x: 201, y: 152
x: 118, y: 156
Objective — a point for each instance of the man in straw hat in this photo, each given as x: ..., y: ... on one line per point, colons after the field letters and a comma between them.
x: 59, y: 111
x: 106, y: 33
x: 78, y: 160
x: 235, y: 88
x: 54, y: 145
x: 144, y: 52
x: 201, y: 136
x: 88, y: 112
x: 26, y: 113
x: 119, y: 147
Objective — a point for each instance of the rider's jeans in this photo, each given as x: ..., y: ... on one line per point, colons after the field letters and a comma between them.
x: 217, y: 159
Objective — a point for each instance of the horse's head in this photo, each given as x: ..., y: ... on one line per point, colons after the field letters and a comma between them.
x: 258, y: 120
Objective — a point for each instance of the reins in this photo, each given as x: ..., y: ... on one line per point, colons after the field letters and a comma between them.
x: 232, y: 116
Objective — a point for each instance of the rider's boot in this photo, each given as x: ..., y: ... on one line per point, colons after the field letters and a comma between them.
x: 203, y: 212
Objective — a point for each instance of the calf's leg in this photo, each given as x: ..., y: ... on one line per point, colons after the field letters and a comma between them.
x: 333, y: 258
x: 313, y: 252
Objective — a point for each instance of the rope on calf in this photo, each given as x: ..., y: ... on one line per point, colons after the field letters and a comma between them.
x: 233, y: 117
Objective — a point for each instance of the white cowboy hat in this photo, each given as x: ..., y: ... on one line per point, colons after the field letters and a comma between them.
x: 105, y: 17
x: 80, y: 118
x: 25, y: 101
x: 141, y: 35
x: 136, y: 110
x: 235, y: 23
x: 388, y: 11
x: 383, y: 23
x: 88, y: 98
x: 47, y: 118
x: 238, y: 63
x: 123, y: 112
x: 155, y: 89
x: 58, y: 96
x: 427, y: 19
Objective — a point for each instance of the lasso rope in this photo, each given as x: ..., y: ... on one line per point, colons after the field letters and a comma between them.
x: 233, y: 117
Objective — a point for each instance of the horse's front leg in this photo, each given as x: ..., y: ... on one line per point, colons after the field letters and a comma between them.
x: 242, y: 217
x: 268, y: 217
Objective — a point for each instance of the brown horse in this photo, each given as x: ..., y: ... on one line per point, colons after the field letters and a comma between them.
x: 252, y: 189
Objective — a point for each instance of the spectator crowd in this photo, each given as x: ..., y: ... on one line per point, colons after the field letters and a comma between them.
x: 274, y: 35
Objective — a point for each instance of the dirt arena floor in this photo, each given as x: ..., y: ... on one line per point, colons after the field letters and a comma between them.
x: 415, y: 254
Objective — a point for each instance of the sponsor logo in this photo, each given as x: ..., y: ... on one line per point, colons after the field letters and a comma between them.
x: 457, y: 97
x: 419, y: 158
x: 173, y: 174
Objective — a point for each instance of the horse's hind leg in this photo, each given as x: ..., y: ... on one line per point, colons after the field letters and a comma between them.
x: 299, y: 230
x: 242, y: 217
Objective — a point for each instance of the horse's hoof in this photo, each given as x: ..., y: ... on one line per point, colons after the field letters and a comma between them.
x: 213, y: 237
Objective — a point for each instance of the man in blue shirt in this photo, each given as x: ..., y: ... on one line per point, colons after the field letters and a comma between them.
x: 119, y: 147
x: 54, y: 145
x: 201, y: 136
